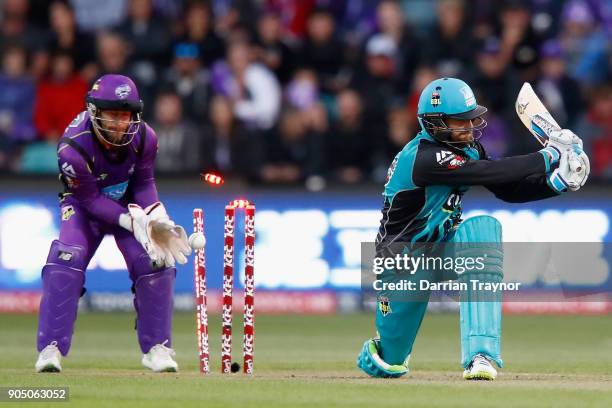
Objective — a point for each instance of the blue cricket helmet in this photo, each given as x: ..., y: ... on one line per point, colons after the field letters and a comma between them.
x: 448, y: 98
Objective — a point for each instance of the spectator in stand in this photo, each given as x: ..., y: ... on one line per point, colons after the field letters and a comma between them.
x: 596, y: 126
x: 59, y: 97
x: 229, y: 147
x: 356, y: 19
x: 349, y: 140
x: 147, y: 35
x: 560, y: 93
x: 295, y: 150
x: 16, y: 104
x: 96, y: 15
x: 494, y: 78
x: 200, y: 31
x: 392, y: 22
x: 113, y: 57
x: 253, y: 89
x: 585, y: 45
x: 17, y: 97
x: 376, y: 82
x: 148, y: 39
x: 169, y: 9
x: 519, y: 42
x: 322, y: 51
x: 273, y: 52
x: 603, y: 10
x: 546, y: 17
x: 67, y: 38
x: 178, y: 140
x: 16, y: 30
x: 112, y: 53
x: 423, y: 75
x: 190, y: 81
x: 496, y: 137
x: 399, y: 130
x: 293, y: 14
x: 450, y: 45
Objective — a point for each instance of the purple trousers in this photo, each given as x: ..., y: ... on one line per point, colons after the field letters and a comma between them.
x: 63, y: 279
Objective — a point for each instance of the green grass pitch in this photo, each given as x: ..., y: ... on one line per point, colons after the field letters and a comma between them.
x: 309, y: 361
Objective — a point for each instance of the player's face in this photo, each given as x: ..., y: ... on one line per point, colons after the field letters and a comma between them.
x: 115, y: 123
x: 463, y: 132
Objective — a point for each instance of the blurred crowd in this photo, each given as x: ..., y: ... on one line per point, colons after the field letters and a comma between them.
x: 287, y: 91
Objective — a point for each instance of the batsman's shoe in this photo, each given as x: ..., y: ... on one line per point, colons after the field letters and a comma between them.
x: 49, y: 359
x: 480, y: 369
x: 159, y: 359
x: 373, y: 365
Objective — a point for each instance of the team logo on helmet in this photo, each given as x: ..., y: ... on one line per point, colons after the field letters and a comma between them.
x: 122, y: 91
x: 435, y: 98
x: 468, y: 95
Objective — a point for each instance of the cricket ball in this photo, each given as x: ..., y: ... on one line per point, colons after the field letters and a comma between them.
x: 197, y: 240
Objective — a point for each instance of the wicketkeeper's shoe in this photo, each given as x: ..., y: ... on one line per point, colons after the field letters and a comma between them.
x: 159, y: 359
x: 49, y: 359
x: 480, y: 369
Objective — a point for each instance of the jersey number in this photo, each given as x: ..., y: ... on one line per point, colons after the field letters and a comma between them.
x: 77, y: 121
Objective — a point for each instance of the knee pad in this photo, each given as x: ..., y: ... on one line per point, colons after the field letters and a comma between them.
x: 63, y: 278
x: 142, y: 266
x: 69, y: 256
x: 480, y: 310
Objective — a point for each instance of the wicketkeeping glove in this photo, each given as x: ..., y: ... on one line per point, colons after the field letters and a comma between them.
x: 138, y: 223
x: 166, y: 235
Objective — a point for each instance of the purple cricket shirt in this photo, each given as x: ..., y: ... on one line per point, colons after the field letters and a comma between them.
x: 118, y: 177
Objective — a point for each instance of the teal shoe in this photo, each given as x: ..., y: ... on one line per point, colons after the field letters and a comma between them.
x: 374, y: 366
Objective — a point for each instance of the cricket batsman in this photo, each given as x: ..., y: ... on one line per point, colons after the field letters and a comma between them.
x: 106, y: 159
x: 422, y: 204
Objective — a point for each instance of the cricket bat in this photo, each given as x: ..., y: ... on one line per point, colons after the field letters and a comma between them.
x: 536, y: 118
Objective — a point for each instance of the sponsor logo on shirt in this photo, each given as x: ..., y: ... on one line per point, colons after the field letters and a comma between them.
x: 449, y: 159
x: 67, y: 212
x: 68, y: 170
x: 71, y: 182
x: 391, y: 169
x: 116, y: 191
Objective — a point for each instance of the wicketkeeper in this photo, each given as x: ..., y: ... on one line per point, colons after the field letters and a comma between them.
x: 422, y: 204
x: 106, y: 158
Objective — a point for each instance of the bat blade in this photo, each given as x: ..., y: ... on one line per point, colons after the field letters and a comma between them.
x: 536, y: 118
x: 534, y: 115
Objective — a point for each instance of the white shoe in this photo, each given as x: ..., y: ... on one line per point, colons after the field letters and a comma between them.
x: 49, y: 359
x: 480, y: 369
x: 159, y: 359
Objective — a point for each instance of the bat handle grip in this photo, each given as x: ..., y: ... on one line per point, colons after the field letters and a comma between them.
x: 575, y: 166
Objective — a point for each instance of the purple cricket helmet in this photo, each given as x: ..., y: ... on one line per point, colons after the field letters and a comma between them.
x: 118, y: 93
